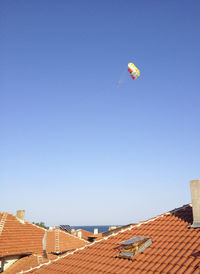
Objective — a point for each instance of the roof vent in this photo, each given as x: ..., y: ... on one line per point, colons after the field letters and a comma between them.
x: 195, y: 193
x: 134, y: 246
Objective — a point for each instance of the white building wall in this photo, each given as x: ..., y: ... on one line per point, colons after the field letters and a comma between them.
x: 8, y: 261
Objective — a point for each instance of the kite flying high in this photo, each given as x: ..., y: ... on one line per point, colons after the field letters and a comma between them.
x: 135, y: 73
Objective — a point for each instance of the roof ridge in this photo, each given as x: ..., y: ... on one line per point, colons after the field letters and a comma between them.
x: 3, y: 220
x: 36, y: 226
x: 147, y: 221
x: 81, y: 248
x: 73, y: 236
x: 114, y: 234
x: 8, y: 213
x: 84, y: 230
x: 25, y: 222
x: 178, y: 208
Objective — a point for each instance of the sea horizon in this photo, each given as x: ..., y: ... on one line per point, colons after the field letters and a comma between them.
x: 90, y: 228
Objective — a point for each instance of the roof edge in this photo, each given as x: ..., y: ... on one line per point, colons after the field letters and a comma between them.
x: 2, y: 222
x: 112, y: 235
x: 25, y: 222
x: 68, y: 234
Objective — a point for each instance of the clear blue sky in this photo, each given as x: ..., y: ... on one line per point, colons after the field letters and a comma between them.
x: 75, y: 149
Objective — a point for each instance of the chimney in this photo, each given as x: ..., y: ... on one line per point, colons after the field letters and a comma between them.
x: 96, y: 231
x: 195, y: 194
x: 80, y: 234
x: 20, y: 215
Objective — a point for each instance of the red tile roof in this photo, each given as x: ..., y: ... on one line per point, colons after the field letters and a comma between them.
x: 175, y: 249
x: 95, y: 236
x: 18, y: 238
x: 84, y: 233
x: 28, y: 262
x: 59, y: 241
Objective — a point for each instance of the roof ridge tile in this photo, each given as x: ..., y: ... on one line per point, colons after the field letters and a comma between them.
x: 2, y: 222
x: 76, y: 237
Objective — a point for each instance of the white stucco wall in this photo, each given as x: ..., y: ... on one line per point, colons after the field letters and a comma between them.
x: 8, y: 261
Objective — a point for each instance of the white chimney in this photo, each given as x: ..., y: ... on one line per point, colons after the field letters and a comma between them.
x: 96, y: 231
x: 195, y: 194
x: 80, y: 234
x: 20, y: 215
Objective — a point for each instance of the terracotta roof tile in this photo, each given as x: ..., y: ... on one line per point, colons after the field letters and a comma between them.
x: 26, y: 238
x: 173, y: 250
x: 27, y: 262
x: 85, y: 233
x: 19, y: 238
x: 59, y: 241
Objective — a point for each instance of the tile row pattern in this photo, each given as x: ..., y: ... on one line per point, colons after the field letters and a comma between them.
x: 27, y: 262
x: 19, y: 238
x: 59, y: 241
x: 175, y: 249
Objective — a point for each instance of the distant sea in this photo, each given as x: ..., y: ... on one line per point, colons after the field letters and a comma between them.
x: 101, y: 228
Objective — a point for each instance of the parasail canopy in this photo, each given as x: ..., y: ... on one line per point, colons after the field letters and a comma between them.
x: 135, y: 73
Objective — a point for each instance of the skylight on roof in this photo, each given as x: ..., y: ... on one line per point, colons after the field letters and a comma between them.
x: 134, y: 246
